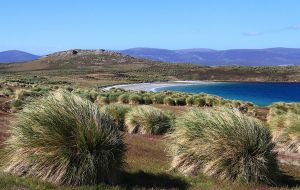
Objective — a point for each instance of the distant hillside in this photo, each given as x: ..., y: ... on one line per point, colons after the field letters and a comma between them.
x: 76, y: 59
x: 103, y: 67
x: 244, y: 57
x: 13, y: 56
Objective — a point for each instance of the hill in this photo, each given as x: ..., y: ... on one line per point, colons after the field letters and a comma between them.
x: 242, y: 57
x: 103, y: 67
x: 12, y: 56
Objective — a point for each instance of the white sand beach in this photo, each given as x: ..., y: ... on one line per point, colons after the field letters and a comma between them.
x: 153, y: 86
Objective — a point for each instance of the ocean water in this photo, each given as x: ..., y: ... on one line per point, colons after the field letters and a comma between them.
x: 262, y: 94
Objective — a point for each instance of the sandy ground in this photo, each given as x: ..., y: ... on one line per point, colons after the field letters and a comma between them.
x: 155, y: 85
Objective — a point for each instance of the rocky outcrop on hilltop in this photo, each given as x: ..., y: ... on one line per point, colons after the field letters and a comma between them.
x: 79, y: 52
x: 91, y: 57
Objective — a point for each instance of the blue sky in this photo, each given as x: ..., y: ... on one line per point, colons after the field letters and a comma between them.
x: 44, y: 26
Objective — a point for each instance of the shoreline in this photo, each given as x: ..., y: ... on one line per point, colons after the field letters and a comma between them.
x: 155, y: 85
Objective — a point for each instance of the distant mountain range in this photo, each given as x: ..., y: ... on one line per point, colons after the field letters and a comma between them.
x: 13, y: 56
x: 247, y: 57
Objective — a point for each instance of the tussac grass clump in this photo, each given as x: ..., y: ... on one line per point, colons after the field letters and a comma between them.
x: 7, y: 91
x: 225, y: 144
x: 284, y: 122
x: 148, y: 120
x: 64, y: 139
x: 117, y: 112
x: 135, y: 99
x: 123, y: 99
x: 102, y: 100
x: 158, y: 98
x: 147, y: 100
x: 169, y: 101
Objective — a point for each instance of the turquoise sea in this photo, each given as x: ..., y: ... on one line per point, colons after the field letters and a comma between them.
x: 260, y: 93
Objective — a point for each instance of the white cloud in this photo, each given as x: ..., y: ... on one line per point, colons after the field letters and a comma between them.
x: 252, y: 33
x: 292, y: 27
x: 295, y: 27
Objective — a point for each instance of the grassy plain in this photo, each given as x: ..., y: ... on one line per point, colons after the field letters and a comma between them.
x: 147, y: 159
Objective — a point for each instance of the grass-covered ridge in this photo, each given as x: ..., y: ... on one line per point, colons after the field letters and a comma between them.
x: 90, y: 68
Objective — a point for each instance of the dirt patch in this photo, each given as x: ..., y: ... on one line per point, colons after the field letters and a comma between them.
x: 146, y: 152
x: 261, y: 113
x: 177, y: 109
x: 5, y: 119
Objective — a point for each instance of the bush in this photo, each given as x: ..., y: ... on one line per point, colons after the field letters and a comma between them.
x: 134, y: 99
x: 236, y: 103
x: 180, y: 101
x: 158, y: 98
x: 21, y: 94
x: 189, y: 100
x: 169, y: 101
x: 223, y: 143
x: 113, y: 97
x: 7, y: 91
x: 147, y: 100
x: 212, y: 101
x: 284, y: 122
x: 199, y: 102
x: 123, y: 98
x: 17, y: 104
x: 117, y: 112
x: 147, y: 120
x: 102, y: 100
x: 64, y: 139
x: 93, y: 95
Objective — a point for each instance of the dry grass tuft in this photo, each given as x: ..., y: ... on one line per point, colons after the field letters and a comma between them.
x: 148, y: 120
x: 64, y: 139
x: 223, y: 143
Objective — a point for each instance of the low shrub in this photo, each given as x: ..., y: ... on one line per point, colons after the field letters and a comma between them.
x: 169, y: 101
x: 93, y: 95
x: 147, y: 100
x: 117, y: 112
x: 7, y: 91
x: 147, y: 120
x: 17, y: 104
x: 64, y: 139
x: 123, y: 98
x: 189, y: 100
x: 158, y: 98
x: 134, y: 99
x: 102, y: 100
x: 180, y: 101
x: 113, y: 97
x: 225, y: 144
x: 211, y: 101
x: 199, y: 102
x: 21, y: 94
x: 284, y: 122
